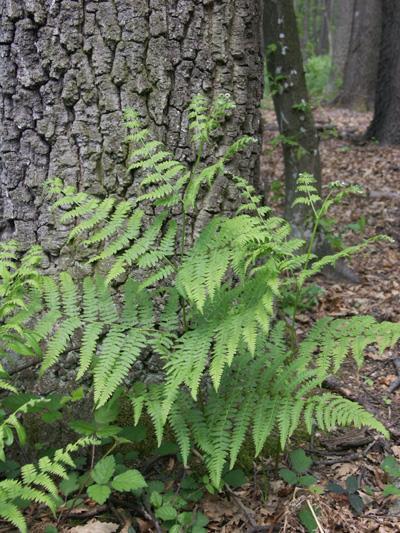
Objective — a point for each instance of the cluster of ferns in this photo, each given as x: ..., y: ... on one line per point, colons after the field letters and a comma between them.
x: 231, y: 369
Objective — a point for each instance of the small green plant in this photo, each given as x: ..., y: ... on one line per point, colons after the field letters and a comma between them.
x: 350, y: 490
x: 103, y: 475
x: 277, y: 191
x: 172, y: 508
x: 392, y: 469
x: 359, y: 225
x: 300, y: 464
x: 303, y: 107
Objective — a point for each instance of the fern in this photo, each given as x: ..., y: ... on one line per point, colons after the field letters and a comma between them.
x: 37, y: 485
x: 230, y: 369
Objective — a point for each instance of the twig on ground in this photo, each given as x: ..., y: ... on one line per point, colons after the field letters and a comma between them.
x: 248, y: 513
x: 149, y: 516
x: 90, y: 513
x: 342, y: 459
x: 320, y: 528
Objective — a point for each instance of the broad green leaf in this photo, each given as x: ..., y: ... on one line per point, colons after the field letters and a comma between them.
x: 99, y: 493
x: 307, y: 481
x: 288, y: 475
x: 391, y: 490
x: 300, y: 461
x: 156, y: 499
x: 69, y: 485
x: 104, y: 470
x: 352, y: 484
x: 129, y: 480
x: 356, y: 503
x: 166, y: 512
x: 391, y: 466
x: 235, y: 478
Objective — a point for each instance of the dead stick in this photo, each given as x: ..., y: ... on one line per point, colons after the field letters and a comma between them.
x: 247, y: 512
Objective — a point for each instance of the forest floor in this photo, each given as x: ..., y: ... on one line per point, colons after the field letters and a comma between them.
x: 345, y: 157
x: 266, y: 503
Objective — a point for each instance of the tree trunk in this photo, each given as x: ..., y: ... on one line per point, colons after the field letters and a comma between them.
x: 361, y: 66
x: 342, y: 12
x: 68, y: 69
x: 288, y: 87
x: 385, y: 125
x: 324, y: 38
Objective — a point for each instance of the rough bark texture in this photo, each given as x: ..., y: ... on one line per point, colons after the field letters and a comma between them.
x: 361, y: 65
x: 288, y: 87
x: 385, y: 125
x: 69, y: 67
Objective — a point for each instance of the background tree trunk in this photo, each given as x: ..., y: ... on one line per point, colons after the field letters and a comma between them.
x: 385, y: 125
x: 361, y: 65
x: 342, y: 12
x: 68, y: 69
x: 293, y: 111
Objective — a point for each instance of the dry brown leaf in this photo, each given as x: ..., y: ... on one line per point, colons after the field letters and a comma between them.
x: 95, y: 526
x: 396, y: 451
x: 346, y: 469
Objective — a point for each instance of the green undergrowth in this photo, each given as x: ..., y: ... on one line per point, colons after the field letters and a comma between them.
x: 220, y: 313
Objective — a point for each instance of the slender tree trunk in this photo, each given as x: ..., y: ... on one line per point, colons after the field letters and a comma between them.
x: 385, y: 125
x: 361, y: 66
x: 342, y: 12
x: 324, y: 38
x: 295, y: 120
x: 68, y: 68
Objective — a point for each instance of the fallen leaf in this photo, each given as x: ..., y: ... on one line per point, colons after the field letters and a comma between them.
x: 345, y: 470
x: 396, y: 451
x: 95, y: 526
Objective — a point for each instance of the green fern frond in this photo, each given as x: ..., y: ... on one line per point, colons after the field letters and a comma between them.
x: 10, y: 513
x: 181, y: 431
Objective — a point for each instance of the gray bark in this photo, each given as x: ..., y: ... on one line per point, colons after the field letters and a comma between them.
x: 68, y: 68
x: 385, y: 126
x: 361, y: 65
x: 342, y: 11
x: 293, y: 111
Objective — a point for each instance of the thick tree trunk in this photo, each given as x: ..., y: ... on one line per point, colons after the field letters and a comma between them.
x: 293, y: 111
x: 68, y: 69
x: 361, y: 66
x: 385, y: 125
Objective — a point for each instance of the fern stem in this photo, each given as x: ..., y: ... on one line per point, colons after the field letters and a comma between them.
x: 184, y: 224
x: 299, y: 285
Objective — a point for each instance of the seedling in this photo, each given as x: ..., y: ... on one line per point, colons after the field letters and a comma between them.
x: 300, y: 464
x: 352, y: 487
x: 392, y: 468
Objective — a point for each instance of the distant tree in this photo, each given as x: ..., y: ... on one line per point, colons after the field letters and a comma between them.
x: 356, y: 51
x: 293, y: 111
x: 385, y: 125
x: 314, y: 26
